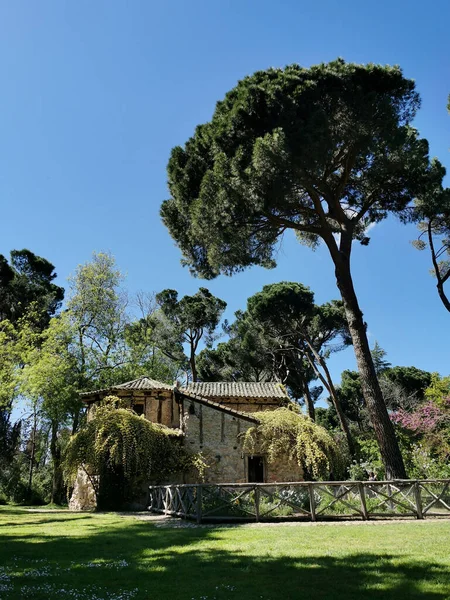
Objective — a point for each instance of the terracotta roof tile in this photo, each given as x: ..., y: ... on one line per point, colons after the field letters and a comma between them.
x: 237, y: 389
x: 142, y: 383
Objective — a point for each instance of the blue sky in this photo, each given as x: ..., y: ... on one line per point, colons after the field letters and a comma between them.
x: 95, y: 95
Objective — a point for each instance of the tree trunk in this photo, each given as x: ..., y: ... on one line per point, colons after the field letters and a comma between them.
x: 445, y: 301
x: 58, y: 495
x: 384, y: 430
x: 309, y: 402
x: 193, y: 365
x: 440, y: 280
x: 313, y: 358
x: 33, y: 453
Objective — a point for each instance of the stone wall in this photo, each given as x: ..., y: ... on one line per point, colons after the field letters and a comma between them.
x: 83, y: 495
x: 283, y: 470
x: 158, y: 406
x: 215, y: 433
x: 161, y: 407
x: 218, y: 435
x: 250, y: 405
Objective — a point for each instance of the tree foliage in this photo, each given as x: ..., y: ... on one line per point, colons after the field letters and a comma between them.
x: 9, y: 363
x: 412, y: 381
x: 49, y: 381
x: 247, y: 355
x: 303, y: 334
x: 324, y: 151
x: 282, y: 335
x: 97, y: 312
x: 281, y: 141
x: 439, y: 389
x: 93, y: 343
x: 284, y: 431
x: 429, y: 421
x: 27, y: 281
x: 187, y: 321
x: 378, y: 357
x: 352, y: 399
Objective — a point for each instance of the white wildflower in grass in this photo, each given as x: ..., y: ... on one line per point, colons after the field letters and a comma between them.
x: 87, y: 593
x: 115, y: 564
x: 219, y: 588
x: 42, y: 572
x: 38, y: 568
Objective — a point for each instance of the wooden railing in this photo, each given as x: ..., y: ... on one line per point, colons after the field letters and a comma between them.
x: 304, y: 500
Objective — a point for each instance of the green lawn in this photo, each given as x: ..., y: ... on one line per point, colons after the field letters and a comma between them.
x: 62, y: 555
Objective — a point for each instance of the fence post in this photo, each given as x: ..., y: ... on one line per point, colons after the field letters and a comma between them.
x: 312, y: 502
x: 199, y: 502
x: 166, y: 501
x: 362, y: 495
x: 257, y: 503
x: 389, y: 493
x: 418, y: 500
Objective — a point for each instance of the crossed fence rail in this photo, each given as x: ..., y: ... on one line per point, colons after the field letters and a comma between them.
x: 303, y: 500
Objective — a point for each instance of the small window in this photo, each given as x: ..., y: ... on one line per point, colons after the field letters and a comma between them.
x: 191, y: 409
x: 138, y: 409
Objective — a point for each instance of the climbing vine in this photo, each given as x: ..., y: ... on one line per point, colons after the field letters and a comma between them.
x: 124, y: 451
x: 284, y: 433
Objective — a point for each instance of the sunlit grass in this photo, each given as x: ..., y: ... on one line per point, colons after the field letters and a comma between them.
x: 59, y: 555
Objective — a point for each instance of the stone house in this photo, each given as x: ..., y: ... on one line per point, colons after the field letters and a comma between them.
x: 211, y: 416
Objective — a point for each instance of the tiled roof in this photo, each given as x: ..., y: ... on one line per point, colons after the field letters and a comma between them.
x: 226, y: 409
x: 225, y: 389
x: 211, y: 389
x: 142, y: 383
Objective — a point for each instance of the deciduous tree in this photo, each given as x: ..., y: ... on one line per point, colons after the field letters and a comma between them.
x: 49, y: 380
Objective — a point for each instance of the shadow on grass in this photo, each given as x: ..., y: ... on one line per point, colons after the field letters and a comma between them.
x: 190, y: 564
x: 40, y: 520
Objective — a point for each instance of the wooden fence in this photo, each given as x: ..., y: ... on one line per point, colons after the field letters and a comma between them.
x: 304, y: 500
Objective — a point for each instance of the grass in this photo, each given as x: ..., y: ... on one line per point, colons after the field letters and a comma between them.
x: 110, y: 557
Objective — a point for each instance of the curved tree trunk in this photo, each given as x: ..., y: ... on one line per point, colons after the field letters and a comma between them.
x: 440, y: 280
x: 442, y: 295
x: 313, y: 358
x: 384, y: 430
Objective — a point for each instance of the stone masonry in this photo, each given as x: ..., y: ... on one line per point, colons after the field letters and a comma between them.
x: 212, y: 425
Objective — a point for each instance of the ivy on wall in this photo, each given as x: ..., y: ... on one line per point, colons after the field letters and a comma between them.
x: 120, y: 452
x: 287, y: 434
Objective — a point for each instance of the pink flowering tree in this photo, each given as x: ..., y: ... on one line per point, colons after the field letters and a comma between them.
x: 429, y: 424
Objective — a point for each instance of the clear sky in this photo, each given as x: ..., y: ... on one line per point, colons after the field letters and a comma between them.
x: 95, y: 95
